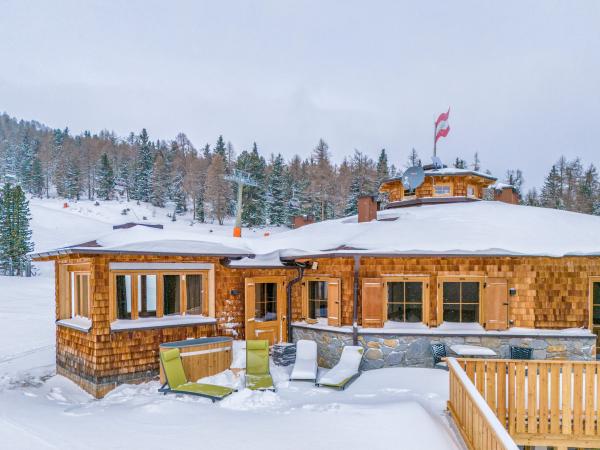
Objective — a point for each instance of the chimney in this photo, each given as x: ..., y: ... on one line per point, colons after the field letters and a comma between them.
x: 506, y: 193
x: 367, y: 208
x: 300, y: 221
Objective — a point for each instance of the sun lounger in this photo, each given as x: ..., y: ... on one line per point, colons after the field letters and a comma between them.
x: 258, y: 376
x: 305, y: 367
x: 177, y: 382
x: 345, y: 371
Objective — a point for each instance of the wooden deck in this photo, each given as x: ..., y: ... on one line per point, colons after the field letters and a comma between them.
x: 546, y: 403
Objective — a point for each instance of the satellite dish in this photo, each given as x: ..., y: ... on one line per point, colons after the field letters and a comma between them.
x: 413, y: 177
x: 437, y: 162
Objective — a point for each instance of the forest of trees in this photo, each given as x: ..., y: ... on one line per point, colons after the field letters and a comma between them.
x: 52, y: 162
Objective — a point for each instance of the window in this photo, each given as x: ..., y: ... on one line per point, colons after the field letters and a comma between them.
x: 317, y: 299
x: 193, y: 285
x: 471, y: 191
x: 157, y: 293
x: 441, y: 190
x: 596, y: 303
x: 265, y: 302
x: 461, y: 301
x: 147, y: 295
x: 409, y: 194
x: 124, y: 297
x: 405, y: 301
x: 80, y: 294
x: 171, y: 294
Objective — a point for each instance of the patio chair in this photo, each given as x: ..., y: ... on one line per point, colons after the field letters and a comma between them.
x: 520, y: 352
x: 305, y: 367
x: 177, y: 382
x: 258, y: 377
x: 345, y: 371
x: 439, y: 352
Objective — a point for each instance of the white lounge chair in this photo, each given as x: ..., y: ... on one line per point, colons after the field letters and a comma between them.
x: 305, y: 367
x: 345, y: 371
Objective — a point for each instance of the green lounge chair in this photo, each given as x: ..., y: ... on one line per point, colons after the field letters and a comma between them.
x: 258, y: 376
x: 178, y: 383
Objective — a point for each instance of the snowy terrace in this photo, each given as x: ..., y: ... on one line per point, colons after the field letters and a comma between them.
x: 41, y: 410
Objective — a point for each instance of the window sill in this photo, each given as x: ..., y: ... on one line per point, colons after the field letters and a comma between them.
x: 160, y: 322
x: 77, y: 323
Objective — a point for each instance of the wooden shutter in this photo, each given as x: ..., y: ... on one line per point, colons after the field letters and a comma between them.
x: 334, y: 310
x: 496, y: 304
x: 250, y: 307
x: 372, y: 301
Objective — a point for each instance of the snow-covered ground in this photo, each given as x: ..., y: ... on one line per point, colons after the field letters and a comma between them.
x: 387, y: 408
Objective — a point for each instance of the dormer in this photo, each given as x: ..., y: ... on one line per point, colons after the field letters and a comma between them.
x: 441, y: 185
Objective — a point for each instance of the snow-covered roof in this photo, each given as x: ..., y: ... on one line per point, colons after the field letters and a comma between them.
x: 474, y: 228
x: 446, y: 171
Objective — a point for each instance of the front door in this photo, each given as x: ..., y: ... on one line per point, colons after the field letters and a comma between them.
x: 595, y: 310
x: 495, y: 313
x: 265, y: 309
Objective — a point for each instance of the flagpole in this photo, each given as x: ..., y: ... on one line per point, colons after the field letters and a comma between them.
x: 434, y: 142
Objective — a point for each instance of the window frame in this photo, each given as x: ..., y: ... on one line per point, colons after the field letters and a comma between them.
x: 423, y: 279
x: 592, y: 280
x: 474, y: 187
x: 306, y: 291
x: 460, y: 279
x: 449, y: 185
x: 135, y: 274
x: 65, y: 305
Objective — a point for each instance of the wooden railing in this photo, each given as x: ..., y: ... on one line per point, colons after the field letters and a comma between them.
x: 478, y: 424
x: 552, y: 403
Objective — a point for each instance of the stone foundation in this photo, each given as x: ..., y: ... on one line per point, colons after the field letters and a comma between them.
x: 414, y: 350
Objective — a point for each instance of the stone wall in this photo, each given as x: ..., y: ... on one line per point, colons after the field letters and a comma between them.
x: 389, y: 350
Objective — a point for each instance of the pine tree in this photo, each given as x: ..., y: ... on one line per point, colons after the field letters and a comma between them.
x: 476, y: 162
x: 199, y: 206
x: 158, y: 185
x: 551, y: 192
x: 460, y: 163
x: 254, y: 197
x: 72, y: 183
x: 143, y: 170
x: 36, y: 181
x: 220, y: 149
x: 15, y: 234
x: 218, y: 190
x: 532, y: 198
x: 353, y: 196
x: 588, y: 190
x: 123, y: 180
x: 383, y: 171
x: 105, y: 178
x: 514, y: 177
x: 177, y: 193
x: 278, y: 213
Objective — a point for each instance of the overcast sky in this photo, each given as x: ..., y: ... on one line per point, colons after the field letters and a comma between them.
x: 522, y: 78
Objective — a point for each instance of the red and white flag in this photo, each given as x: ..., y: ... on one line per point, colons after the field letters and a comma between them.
x: 442, y: 127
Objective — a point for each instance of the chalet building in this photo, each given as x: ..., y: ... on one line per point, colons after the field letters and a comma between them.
x: 438, y: 264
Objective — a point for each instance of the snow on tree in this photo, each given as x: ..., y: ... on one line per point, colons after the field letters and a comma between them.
x: 15, y: 234
x: 460, y: 163
x: 551, y: 196
x: 514, y: 177
x: 218, y: 189
x: 220, y: 149
x: 72, y: 181
x: 177, y: 192
x: 353, y: 196
x: 476, y: 162
x: 532, y: 198
x: 277, y: 201
x: 383, y: 171
x: 254, y: 203
x: 159, y: 182
x: 143, y: 170
x: 105, y: 178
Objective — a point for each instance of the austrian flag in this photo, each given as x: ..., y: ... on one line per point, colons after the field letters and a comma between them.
x: 442, y: 128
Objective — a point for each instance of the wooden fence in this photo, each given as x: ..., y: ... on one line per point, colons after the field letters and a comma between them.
x: 478, y: 424
x: 553, y: 403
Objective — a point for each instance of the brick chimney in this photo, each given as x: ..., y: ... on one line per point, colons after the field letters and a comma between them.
x: 367, y: 208
x: 507, y: 194
x: 300, y: 221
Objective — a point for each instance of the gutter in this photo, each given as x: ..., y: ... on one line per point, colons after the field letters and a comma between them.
x: 355, y: 301
x: 300, y: 267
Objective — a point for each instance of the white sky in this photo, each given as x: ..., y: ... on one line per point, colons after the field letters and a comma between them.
x: 522, y: 77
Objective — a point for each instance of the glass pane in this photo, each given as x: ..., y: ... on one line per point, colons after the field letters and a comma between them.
x: 147, y: 295
x: 317, y: 309
x: 194, y: 293
x: 596, y: 318
x: 396, y: 312
x: 596, y: 293
x: 266, y: 302
x: 395, y: 291
x: 470, y: 312
x: 451, y: 313
x: 451, y: 292
x: 470, y: 292
x: 123, y: 296
x: 414, y: 312
x: 317, y: 290
x: 414, y: 291
x: 171, y: 294
x: 84, y: 300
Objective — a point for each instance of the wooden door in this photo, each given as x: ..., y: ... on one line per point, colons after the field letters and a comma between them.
x: 334, y: 309
x: 265, y: 309
x: 372, y: 301
x: 495, y: 314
